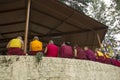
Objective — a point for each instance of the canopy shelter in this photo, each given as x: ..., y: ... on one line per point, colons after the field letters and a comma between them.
x: 48, y: 19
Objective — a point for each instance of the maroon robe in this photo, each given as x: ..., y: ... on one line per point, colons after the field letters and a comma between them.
x: 100, y: 59
x: 80, y: 53
x: 90, y: 55
x: 34, y: 52
x: 15, y: 51
x: 107, y: 61
x: 115, y: 62
x: 66, y: 51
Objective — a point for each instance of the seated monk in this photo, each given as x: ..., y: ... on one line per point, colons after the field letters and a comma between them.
x: 51, y: 49
x: 79, y: 53
x: 35, y: 46
x: 66, y: 50
x: 90, y: 54
x: 15, y: 46
x: 107, y: 58
x: 99, y: 55
x: 115, y: 62
x: 106, y: 55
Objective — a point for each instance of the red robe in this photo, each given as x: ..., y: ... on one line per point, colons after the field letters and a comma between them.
x: 80, y: 53
x: 66, y: 51
x: 90, y: 55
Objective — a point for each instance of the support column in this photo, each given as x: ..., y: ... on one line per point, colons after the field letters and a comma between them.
x: 99, y: 41
x: 27, y: 26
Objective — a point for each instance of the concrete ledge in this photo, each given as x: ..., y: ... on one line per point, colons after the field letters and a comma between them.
x: 26, y: 68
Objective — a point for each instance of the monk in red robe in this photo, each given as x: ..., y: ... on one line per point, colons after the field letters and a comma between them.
x: 51, y: 50
x: 115, y: 62
x: 66, y: 50
x: 79, y: 53
x: 90, y: 54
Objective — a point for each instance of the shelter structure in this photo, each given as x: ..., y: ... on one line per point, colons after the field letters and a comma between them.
x: 48, y: 19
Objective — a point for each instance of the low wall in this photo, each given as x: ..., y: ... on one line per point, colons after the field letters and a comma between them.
x: 27, y: 68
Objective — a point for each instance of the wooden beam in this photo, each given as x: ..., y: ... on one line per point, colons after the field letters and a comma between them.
x: 99, y: 40
x: 13, y: 32
x: 12, y: 10
x: 7, y: 2
x: 27, y: 26
x: 72, y: 32
x: 12, y: 23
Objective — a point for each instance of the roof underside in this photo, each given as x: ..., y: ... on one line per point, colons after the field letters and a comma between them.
x: 49, y: 19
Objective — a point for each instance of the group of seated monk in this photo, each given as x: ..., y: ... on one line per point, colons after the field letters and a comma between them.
x: 15, y: 47
x: 105, y: 58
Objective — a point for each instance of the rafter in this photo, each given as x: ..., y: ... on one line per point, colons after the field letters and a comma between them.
x: 12, y: 23
x: 11, y: 10
x: 13, y: 32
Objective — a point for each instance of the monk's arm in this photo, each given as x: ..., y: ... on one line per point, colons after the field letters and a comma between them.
x: 45, y: 50
x: 22, y: 45
x: 75, y: 52
x: 8, y: 44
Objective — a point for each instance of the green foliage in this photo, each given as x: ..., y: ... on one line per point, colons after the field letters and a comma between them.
x: 39, y: 56
x: 118, y: 4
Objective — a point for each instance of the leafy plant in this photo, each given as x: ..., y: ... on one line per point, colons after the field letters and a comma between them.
x: 39, y: 56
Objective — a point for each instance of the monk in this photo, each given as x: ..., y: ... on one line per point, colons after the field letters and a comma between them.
x: 35, y: 46
x: 99, y: 55
x: 102, y: 57
x: 15, y: 46
x: 115, y: 62
x: 107, y: 58
x: 79, y: 53
x: 90, y: 54
x: 66, y: 50
x: 51, y: 50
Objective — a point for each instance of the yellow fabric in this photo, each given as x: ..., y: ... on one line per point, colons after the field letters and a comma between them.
x: 100, y: 53
x: 107, y: 56
x: 36, y: 45
x: 15, y: 43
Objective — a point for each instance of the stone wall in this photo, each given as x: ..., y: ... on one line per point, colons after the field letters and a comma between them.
x: 27, y: 68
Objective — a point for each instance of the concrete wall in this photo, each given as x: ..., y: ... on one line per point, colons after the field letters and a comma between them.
x: 26, y: 68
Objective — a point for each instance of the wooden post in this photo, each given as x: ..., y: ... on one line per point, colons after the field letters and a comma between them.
x: 27, y: 27
x: 98, y: 37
